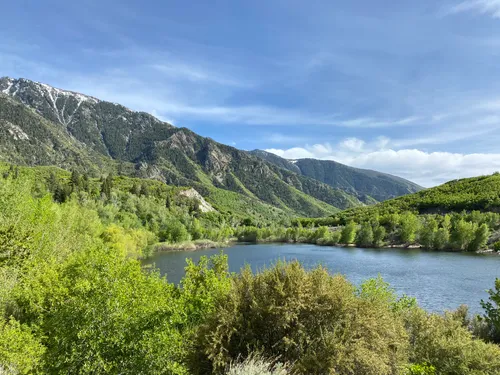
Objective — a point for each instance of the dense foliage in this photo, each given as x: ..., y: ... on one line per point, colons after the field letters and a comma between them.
x: 457, y: 232
x: 74, y: 300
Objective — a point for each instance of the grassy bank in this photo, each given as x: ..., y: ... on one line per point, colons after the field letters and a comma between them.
x: 191, y: 245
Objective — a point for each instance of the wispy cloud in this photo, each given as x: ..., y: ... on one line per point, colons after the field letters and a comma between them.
x: 269, y: 115
x: 488, y: 7
x: 198, y: 74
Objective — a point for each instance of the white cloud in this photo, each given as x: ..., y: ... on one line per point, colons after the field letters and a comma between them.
x: 353, y: 144
x: 292, y: 153
x: 489, y: 7
x: 425, y: 168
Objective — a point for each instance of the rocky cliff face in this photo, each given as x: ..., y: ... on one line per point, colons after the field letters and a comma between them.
x: 193, y: 194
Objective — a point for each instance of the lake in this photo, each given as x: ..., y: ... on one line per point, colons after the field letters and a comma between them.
x: 438, y: 280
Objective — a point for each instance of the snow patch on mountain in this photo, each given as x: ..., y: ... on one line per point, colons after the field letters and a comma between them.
x: 9, y: 85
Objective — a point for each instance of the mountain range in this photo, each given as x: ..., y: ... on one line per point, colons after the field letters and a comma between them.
x: 44, y: 125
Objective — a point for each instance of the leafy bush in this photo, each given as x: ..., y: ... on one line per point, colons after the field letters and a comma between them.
x: 310, y: 319
x: 423, y: 369
x: 492, y: 313
x: 20, y: 351
x: 443, y: 342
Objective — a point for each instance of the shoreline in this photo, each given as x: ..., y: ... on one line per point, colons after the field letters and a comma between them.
x: 208, y: 244
x: 385, y: 247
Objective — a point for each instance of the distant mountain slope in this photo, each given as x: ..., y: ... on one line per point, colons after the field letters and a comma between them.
x: 477, y: 193
x: 26, y: 138
x: 101, y: 130
x: 363, y: 183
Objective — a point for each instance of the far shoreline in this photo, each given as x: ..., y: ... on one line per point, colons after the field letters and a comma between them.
x: 208, y: 244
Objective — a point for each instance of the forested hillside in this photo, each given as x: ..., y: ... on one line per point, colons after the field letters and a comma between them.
x: 48, y: 126
x: 477, y: 193
x: 369, y: 186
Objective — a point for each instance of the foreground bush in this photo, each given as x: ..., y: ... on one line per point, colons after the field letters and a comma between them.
x: 311, y: 319
x: 447, y: 345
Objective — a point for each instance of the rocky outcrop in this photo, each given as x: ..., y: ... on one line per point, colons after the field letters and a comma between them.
x: 203, y: 204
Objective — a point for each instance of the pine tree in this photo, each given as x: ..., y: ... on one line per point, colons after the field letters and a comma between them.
x: 74, y: 181
x: 86, y: 183
x: 52, y: 182
x: 168, y: 202
x: 107, y: 186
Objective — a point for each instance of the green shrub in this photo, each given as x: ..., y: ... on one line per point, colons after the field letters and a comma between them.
x: 312, y: 320
x: 420, y: 369
x: 492, y: 313
x: 20, y: 351
x: 443, y: 342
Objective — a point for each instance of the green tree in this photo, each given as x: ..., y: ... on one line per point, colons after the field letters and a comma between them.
x: 144, y: 190
x: 196, y: 229
x: 378, y: 236
x: 364, y: 237
x: 75, y: 181
x: 441, y: 238
x: 174, y: 231
x: 480, y: 239
x: 168, y: 202
x: 427, y: 232
x: 348, y: 233
x: 462, y: 234
x: 107, y: 186
x: 408, y: 228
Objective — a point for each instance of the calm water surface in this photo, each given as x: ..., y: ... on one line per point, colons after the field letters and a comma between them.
x: 439, y: 281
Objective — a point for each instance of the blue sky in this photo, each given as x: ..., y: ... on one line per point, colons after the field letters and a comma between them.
x: 405, y: 87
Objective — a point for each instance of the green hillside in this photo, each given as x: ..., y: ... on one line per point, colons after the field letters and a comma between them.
x: 476, y: 193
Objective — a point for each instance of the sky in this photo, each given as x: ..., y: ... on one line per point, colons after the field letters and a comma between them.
x: 405, y: 87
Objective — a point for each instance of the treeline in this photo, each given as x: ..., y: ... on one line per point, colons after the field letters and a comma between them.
x: 458, y: 232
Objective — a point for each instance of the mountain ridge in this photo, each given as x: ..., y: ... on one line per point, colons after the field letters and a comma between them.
x: 368, y: 185
x: 148, y: 147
